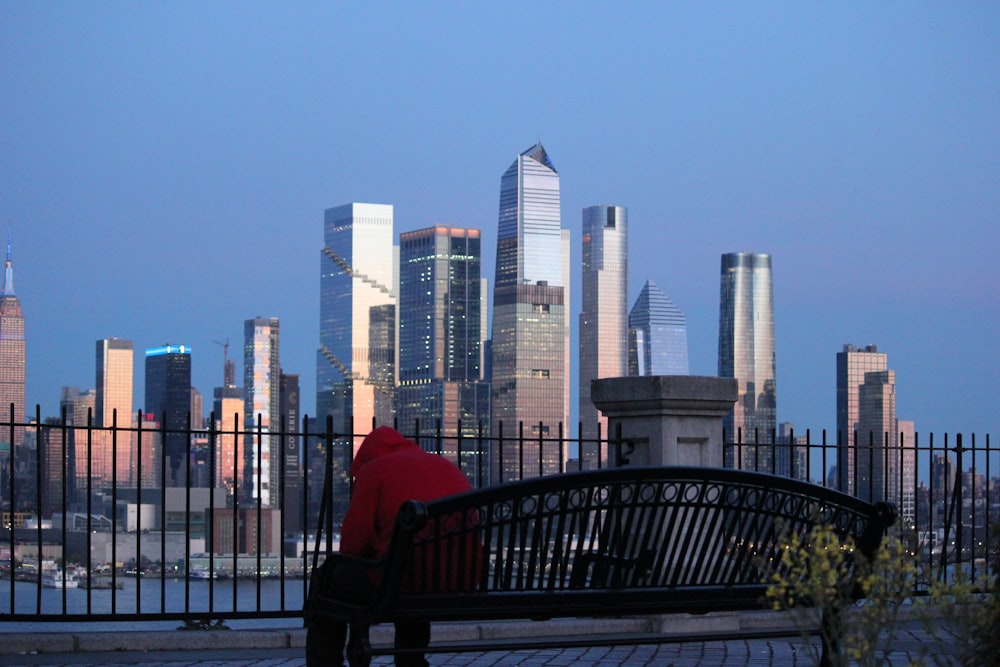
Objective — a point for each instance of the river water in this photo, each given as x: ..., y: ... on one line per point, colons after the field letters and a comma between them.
x: 150, y: 596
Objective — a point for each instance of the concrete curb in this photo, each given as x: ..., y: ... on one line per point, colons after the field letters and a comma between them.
x: 181, y: 640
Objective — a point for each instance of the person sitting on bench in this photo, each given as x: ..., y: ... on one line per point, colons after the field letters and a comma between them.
x: 388, y: 470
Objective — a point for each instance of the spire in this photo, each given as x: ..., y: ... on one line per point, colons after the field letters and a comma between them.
x: 8, y: 275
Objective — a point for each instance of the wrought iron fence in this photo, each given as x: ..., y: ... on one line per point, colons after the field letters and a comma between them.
x: 104, y: 523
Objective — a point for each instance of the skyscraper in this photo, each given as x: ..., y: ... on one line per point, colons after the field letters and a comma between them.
x: 292, y: 506
x: 113, y: 458
x: 261, y: 409
x: 877, y: 454
x: 77, y: 406
x: 441, y: 335
x: 603, y: 325
x: 530, y: 328
x: 12, y: 364
x: 746, y: 352
x: 357, y: 271
x: 852, y: 366
x: 357, y: 309
x: 168, y: 400
x: 657, y: 335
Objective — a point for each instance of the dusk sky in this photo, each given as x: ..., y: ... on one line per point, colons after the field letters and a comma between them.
x: 164, y: 168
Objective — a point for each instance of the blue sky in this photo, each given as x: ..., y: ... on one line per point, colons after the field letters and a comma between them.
x: 164, y: 167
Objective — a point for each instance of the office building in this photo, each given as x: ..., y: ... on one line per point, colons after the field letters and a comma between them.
x: 168, y: 402
x: 853, y: 364
x: 746, y: 352
x: 357, y: 274
x: 382, y: 361
x: 227, y: 411
x: 77, y: 406
x: 291, y: 446
x: 357, y: 293
x: 906, y: 500
x: 657, y: 335
x: 12, y: 368
x: 113, y: 456
x: 603, y: 330
x: 877, y: 452
x: 530, y: 321
x: 440, y: 340
x: 261, y: 410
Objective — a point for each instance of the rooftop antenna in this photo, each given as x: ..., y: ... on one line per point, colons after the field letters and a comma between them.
x: 225, y: 359
x: 8, y: 275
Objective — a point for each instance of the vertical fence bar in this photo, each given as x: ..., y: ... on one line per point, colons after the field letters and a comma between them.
x: 90, y: 495
x: 10, y: 516
x: 114, y: 503
x: 281, y: 507
x: 64, y: 490
x: 210, y: 523
x: 187, y: 512
x: 38, y: 516
x: 163, y: 513
x: 138, y: 504
x: 238, y: 437
x: 260, y: 495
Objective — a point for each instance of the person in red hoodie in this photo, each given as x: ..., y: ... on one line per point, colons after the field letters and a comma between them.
x: 388, y: 470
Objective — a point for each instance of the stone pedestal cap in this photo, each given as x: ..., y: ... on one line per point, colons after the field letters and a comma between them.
x: 664, y: 394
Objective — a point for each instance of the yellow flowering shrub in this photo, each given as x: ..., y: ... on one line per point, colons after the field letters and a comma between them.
x: 822, y: 571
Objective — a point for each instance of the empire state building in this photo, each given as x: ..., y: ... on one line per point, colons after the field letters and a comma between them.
x: 12, y: 363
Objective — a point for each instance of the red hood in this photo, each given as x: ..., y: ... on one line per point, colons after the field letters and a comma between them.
x: 380, y: 442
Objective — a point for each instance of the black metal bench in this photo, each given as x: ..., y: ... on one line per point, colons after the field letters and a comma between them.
x: 614, y: 542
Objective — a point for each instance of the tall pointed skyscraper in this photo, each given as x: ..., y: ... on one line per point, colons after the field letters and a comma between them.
x: 12, y: 363
x: 530, y: 311
x: 603, y: 324
x: 746, y: 352
x: 657, y: 335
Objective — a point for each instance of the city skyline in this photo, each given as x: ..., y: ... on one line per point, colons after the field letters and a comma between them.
x: 163, y: 175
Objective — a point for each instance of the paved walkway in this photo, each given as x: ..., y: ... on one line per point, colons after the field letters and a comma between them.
x: 911, y: 646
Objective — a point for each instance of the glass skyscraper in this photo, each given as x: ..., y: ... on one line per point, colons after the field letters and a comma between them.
x: 113, y: 458
x: 603, y: 325
x: 746, y: 352
x: 441, y: 336
x: 168, y: 399
x: 261, y: 410
x: 876, y: 458
x: 657, y: 335
x: 12, y: 364
x: 357, y: 274
x: 355, y: 362
x: 853, y: 364
x: 529, y: 348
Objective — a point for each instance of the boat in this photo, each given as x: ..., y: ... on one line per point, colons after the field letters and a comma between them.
x: 59, y: 579
x: 203, y: 573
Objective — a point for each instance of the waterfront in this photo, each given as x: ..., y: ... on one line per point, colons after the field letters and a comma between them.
x: 281, y: 600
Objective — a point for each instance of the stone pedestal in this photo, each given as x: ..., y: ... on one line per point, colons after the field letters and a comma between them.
x: 665, y: 419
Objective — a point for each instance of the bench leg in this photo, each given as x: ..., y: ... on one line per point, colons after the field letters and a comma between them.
x: 359, y: 648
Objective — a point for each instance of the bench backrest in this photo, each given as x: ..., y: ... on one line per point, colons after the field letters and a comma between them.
x: 629, y: 534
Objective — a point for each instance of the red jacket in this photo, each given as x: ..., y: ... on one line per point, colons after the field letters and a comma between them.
x: 389, y: 470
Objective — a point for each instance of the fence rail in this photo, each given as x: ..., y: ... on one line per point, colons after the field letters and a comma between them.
x: 122, y: 523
